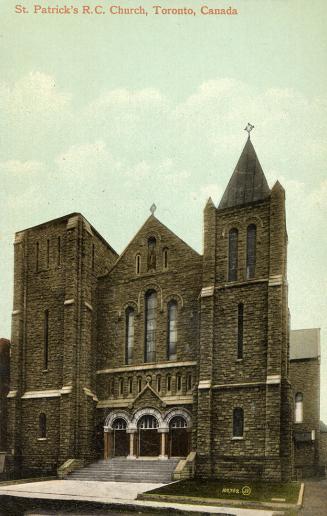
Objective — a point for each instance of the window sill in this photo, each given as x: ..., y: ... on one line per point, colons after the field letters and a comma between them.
x: 237, y: 438
x: 42, y: 438
x: 239, y: 360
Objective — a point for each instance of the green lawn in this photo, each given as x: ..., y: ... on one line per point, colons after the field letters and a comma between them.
x: 237, y: 490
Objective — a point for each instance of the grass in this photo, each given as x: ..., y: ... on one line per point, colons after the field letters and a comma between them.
x: 227, y: 490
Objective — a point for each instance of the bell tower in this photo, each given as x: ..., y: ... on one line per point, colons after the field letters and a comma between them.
x: 244, y: 403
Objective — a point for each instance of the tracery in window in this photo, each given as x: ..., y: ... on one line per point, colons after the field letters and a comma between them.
x: 152, y: 258
x: 232, y: 254
x: 129, y: 337
x: 172, y: 330
x: 150, y: 326
x: 119, y: 424
x: 251, y: 238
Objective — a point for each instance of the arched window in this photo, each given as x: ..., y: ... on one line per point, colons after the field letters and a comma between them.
x: 130, y: 385
x: 240, y: 311
x: 165, y: 259
x: 121, y: 386
x: 168, y: 383
x: 178, y: 422
x: 152, y: 258
x: 138, y: 264
x: 158, y: 383
x: 299, y: 407
x: 238, y: 422
x: 148, y: 422
x: 172, y: 330
x: 150, y: 326
x: 189, y: 381
x: 129, y: 338
x: 178, y: 383
x: 232, y: 254
x: 139, y: 384
x: 251, y: 251
x: 42, y: 426
x: 119, y: 424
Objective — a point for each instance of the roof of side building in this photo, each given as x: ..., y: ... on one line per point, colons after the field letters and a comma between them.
x: 305, y: 343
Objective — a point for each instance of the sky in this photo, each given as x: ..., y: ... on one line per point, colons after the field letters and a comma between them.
x: 105, y: 115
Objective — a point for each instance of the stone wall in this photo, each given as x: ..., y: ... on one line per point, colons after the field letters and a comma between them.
x: 56, y: 270
x: 258, y: 382
x: 121, y: 288
x: 4, y: 389
x: 87, y: 289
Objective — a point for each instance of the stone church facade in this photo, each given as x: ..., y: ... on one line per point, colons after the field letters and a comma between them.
x: 158, y: 351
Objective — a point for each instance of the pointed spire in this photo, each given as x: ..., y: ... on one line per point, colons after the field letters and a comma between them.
x: 248, y: 182
x: 209, y: 204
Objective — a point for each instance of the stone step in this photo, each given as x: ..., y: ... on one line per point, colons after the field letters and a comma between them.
x: 124, y: 470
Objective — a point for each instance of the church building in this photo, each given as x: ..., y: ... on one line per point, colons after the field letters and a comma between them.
x: 159, y: 351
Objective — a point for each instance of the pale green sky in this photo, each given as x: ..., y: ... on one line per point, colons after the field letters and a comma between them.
x: 106, y: 114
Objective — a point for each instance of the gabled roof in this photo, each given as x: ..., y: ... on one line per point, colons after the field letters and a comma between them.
x: 150, y: 220
x: 248, y: 182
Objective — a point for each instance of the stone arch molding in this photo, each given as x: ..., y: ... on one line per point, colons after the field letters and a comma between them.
x: 163, y: 419
x: 150, y: 286
x: 117, y: 414
x: 131, y: 304
x: 148, y: 412
x: 174, y: 297
x: 178, y: 412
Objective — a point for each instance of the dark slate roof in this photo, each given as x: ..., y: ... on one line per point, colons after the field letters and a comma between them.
x: 248, y: 182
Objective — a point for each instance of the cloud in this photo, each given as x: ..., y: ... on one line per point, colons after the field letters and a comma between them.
x: 21, y: 168
x: 34, y: 93
x: 87, y: 160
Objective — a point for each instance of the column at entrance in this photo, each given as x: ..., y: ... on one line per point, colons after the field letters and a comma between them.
x: 132, y: 450
x: 107, y: 436
x: 164, y: 433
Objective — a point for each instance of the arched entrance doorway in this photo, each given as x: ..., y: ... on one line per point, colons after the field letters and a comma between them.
x: 178, y: 437
x: 120, y: 438
x: 148, y: 436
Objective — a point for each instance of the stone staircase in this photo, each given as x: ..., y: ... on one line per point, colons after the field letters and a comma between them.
x: 120, y: 469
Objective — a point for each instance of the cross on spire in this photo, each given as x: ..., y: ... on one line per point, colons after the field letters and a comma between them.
x: 248, y: 128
